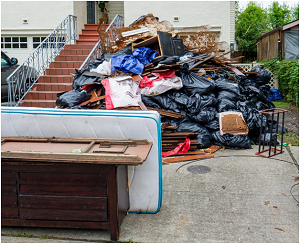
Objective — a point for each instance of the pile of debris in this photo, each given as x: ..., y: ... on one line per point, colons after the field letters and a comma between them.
x: 188, y: 80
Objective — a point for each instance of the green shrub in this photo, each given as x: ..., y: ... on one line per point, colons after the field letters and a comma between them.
x: 287, y: 73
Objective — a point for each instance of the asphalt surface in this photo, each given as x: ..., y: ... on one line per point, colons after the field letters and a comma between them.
x: 236, y: 197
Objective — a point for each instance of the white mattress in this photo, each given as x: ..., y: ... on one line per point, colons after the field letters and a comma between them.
x: 145, y: 192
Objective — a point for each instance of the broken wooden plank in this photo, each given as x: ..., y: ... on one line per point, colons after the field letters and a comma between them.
x: 186, y: 158
x: 167, y: 113
x: 212, y: 149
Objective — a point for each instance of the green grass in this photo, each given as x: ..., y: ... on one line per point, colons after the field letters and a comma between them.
x: 291, y: 139
x: 288, y: 138
x: 287, y: 106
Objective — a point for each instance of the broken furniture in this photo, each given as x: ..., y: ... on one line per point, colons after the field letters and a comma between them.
x: 44, y: 184
x: 232, y: 122
x: 263, y: 140
x: 145, y: 181
x: 164, y: 44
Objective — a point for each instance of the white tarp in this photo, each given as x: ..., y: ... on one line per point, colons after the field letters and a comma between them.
x: 291, y: 45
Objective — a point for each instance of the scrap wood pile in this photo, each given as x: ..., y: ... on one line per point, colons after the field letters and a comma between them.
x: 188, y: 80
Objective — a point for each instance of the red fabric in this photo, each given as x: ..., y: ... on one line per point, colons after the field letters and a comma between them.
x: 182, y: 148
x: 88, y: 88
x: 146, y: 82
x: 108, y: 102
x: 166, y: 74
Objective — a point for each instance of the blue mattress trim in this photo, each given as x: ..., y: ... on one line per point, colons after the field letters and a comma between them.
x: 120, y: 113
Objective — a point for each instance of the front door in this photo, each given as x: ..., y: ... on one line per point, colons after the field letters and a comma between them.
x: 90, y: 7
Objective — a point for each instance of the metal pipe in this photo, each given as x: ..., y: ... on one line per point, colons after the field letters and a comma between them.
x: 276, y: 133
x: 270, y: 131
x: 282, y: 131
x: 260, y: 132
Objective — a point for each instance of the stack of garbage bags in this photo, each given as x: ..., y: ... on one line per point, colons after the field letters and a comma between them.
x: 199, y: 97
x: 203, y: 97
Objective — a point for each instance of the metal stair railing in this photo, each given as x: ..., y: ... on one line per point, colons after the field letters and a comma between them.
x: 96, y: 51
x: 27, y: 74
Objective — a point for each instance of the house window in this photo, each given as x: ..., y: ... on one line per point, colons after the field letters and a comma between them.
x: 37, y: 40
x: 13, y: 42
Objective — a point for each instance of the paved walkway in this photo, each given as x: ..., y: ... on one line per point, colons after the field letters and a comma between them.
x: 243, y: 198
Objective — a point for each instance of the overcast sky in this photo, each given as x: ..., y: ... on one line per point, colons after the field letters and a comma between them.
x: 243, y: 4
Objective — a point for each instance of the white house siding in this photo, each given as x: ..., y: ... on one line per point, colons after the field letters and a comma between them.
x: 80, y: 12
x: 114, y: 7
x: 232, y: 22
x: 42, y: 17
x: 217, y: 14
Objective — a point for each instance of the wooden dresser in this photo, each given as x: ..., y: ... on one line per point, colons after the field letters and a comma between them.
x: 66, y: 190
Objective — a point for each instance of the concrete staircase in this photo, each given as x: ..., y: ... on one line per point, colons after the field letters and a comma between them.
x: 58, y: 76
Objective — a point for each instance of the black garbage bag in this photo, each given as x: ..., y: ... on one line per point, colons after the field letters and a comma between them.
x: 265, y: 138
x: 225, y: 85
x: 203, y: 137
x: 124, y: 51
x: 93, y: 64
x: 204, y: 116
x: 213, y: 125
x: 170, y: 60
x: 231, y: 141
x: 227, y: 95
x: 149, y: 103
x: 213, y: 75
x: 195, y: 103
x: 193, y: 83
x: 266, y: 90
x: 72, y: 98
x: 261, y: 106
x: 281, y: 130
x: 264, y: 77
x: 209, y: 100
x: 80, y: 80
x: 226, y: 105
x: 163, y: 101
x: 251, y: 116
x: 262, y: 98
x: 179, y: 97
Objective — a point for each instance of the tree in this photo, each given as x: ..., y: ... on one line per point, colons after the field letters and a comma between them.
x: 279, y: 15
x: 249, y: 25
x: 295, y: 12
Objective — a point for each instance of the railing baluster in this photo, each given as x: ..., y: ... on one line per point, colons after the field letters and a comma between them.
x: 96, y: 51
x: 39, y: 60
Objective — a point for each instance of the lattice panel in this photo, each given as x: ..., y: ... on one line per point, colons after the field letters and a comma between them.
x: 245, y: 67
x: 273, y: 83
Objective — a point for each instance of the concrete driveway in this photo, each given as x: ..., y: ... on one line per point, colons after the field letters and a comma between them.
x: 236, y: 197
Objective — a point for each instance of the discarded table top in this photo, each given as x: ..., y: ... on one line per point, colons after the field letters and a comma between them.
x: 75, y: 150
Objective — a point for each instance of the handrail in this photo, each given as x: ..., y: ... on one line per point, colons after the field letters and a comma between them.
x: 27, y: 74
x: 96, y: 51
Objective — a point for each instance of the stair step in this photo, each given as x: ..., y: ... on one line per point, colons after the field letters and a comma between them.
x: 87, y: 42
x: 58, y: 76
x: 91, y: 26
x: 66, y: 64
x: 38, y: 103
x: 55, y: 79
x: 71, y: 58
x: 89, y: 36
x: 79, y: 46
x: 60, y: 71
x: 38, y: 87
x: 74, y: 52
x: 42, y: 95
x: 89, y: 32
